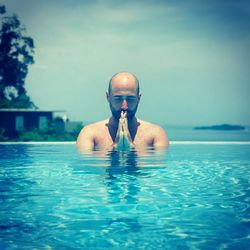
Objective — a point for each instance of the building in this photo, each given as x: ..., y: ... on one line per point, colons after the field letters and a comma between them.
x: 13, y: 121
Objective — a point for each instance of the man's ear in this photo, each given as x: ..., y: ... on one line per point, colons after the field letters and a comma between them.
x: 140, y: 96
x: 107, y: 95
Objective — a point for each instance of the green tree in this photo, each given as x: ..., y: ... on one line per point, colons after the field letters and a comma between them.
x: 16, y: 54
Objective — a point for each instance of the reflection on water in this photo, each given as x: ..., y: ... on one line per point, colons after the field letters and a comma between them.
x: 123, y: 170
x: 124, y: 190
x: 192, y: 197
x: 122, y: 162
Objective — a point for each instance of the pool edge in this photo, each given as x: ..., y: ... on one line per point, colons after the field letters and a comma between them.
x: 171, y: 142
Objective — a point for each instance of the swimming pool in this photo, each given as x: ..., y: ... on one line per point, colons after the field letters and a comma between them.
x: 194, y: 196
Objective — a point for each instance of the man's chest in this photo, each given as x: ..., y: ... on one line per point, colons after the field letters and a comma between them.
x: 142, y: 139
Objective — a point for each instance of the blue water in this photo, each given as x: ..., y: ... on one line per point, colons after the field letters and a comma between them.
x: 190, y: 197
x: 187, y: 133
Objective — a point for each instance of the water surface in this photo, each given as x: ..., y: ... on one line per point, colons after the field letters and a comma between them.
x: 190, y: 197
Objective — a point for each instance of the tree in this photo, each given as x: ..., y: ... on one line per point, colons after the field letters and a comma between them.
x: 16, y: 54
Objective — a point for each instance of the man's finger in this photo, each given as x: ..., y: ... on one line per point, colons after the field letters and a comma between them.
x: 123, y: 114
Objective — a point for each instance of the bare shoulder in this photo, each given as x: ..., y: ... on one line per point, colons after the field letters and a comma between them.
x: 88, y: 132
x: 149, y: 125
x: 158, y: 133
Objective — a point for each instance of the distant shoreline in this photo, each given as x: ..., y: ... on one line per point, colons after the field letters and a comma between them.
x: 221, y: 127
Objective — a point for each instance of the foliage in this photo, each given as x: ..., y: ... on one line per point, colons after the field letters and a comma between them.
x: 52, y: 133
x: 22, y: 101
x: 2, y: 137
x: 16, y: 54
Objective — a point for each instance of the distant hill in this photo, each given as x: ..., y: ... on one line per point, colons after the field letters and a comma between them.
x: 221, y: 127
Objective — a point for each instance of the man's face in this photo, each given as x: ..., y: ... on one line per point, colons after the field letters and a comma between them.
x: 123, y: 96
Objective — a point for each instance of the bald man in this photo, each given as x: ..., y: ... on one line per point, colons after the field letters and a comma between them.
x: 122, y: 130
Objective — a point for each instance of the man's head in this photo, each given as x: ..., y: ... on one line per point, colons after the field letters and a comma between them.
x: 123, y: 94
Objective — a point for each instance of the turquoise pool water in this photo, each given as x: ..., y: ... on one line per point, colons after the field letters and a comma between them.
x: 195, y: 196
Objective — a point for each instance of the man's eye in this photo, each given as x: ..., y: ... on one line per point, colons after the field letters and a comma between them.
x: 128, y: 98
x: 118, y: 98
x: 131, y: 98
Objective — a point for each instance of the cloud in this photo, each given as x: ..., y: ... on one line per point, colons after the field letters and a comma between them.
x: 198, y: 51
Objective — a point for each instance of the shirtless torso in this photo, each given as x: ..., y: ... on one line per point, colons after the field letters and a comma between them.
x: 102, y: 135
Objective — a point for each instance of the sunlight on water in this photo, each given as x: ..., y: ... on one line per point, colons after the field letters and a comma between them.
x: 189, y: 197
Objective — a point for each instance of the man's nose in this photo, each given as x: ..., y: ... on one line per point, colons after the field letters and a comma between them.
x: 124, y: 105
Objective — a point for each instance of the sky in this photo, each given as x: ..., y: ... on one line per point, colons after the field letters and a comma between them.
x: 191, y: 57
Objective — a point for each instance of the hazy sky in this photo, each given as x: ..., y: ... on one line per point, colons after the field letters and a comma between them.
x: 191, y: 57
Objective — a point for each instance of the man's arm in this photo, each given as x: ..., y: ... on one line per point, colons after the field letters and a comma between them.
x: 160, y: 138
x: 85, y: 138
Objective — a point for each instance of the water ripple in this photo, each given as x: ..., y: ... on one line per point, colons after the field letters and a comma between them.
x: 191, y: 197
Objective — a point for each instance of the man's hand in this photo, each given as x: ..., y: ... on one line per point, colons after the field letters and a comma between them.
x: 123, y: 138
x: 123, y: 122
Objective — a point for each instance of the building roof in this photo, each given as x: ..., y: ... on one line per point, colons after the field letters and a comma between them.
x: 28, y: 110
